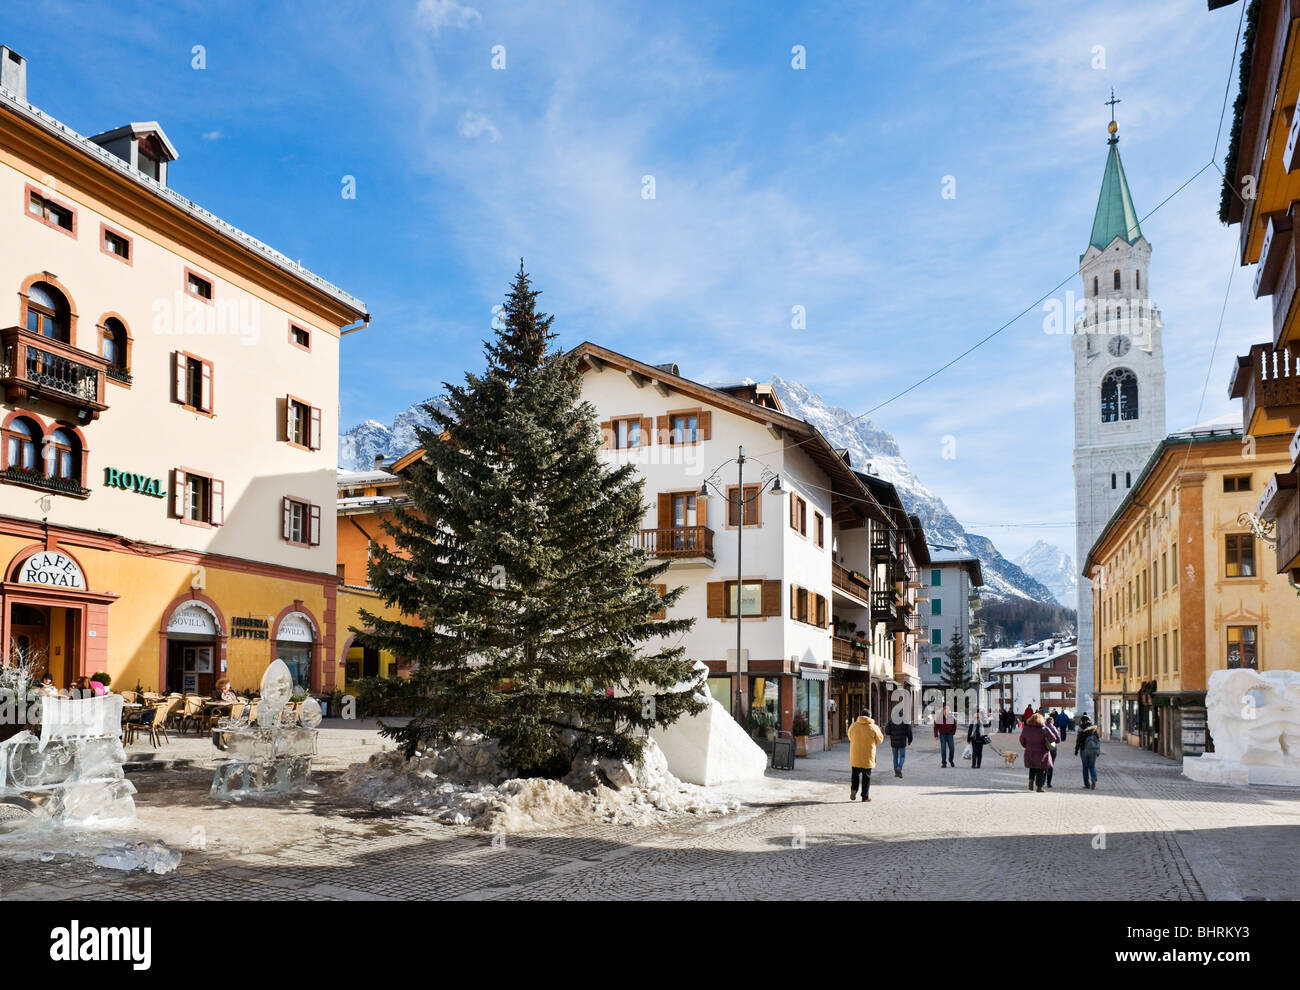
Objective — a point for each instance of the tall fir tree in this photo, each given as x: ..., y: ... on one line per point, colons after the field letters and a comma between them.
x: 516, y: 554
x: 956, y: 675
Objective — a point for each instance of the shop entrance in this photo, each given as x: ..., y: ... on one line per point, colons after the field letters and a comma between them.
x: 192, y: 655
x: 47, y: 636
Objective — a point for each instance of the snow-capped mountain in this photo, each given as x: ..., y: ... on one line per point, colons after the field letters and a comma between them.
x: 869, y: 444
x: 359, y: 446
x: 1053, y: 567
x: 866, y: 443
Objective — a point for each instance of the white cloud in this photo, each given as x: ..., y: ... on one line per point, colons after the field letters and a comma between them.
x: 473, y: 125
x: 437, y: 14
x: 212, y: 136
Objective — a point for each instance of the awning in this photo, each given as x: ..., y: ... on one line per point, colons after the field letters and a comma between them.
x: 814, y: 674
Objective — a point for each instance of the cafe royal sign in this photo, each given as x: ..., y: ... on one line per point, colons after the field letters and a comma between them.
x: 53, y: 570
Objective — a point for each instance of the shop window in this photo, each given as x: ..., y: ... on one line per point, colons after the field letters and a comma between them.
x: 303, y: 424
x: 808, y: 701
x: 193, y: 382
x: 48, y: 312
x: 301, y: 522
x: 300, y: 337
x: 1239, y: 555
x: 198, y: 499
x: 21, y: 439
x: 51, y: 213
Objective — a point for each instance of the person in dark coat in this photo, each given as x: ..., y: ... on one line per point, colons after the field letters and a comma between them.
x: 1055, y: 738
x: 1062, y: 723
x: 1087, y: 746
x: 975, y: 736
x: 945, y: 730
x: 900, y: 734
x: 1034, y: 737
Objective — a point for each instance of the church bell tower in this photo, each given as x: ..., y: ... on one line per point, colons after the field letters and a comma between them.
x: 1119, y: 377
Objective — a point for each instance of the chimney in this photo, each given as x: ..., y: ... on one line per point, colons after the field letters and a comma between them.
x: 379, y: 462
x: 13, y: 72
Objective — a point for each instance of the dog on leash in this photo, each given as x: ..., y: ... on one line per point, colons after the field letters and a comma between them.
x: 1009, y: 758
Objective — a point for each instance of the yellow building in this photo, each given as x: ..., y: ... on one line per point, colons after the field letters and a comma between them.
x: 1183, y: 587
x: 366, y: 500
x: 169, y: 421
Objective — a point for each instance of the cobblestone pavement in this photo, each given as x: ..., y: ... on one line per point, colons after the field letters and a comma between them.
x: 1146, y: 833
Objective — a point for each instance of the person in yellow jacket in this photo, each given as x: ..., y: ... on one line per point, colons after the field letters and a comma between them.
x: 864, y: 733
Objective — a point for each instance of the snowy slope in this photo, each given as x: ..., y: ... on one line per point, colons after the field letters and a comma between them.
x: 359, y: 446
x: 1053, y: 567
x: 868, y: 443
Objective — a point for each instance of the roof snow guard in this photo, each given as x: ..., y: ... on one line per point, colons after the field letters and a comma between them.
x: 1116, y: 215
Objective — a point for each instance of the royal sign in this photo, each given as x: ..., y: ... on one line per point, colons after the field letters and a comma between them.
x: 130, y: 482
x: 53, y: 570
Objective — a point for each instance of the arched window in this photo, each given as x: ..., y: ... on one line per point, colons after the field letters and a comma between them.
x: 63, y: 456
x: 1096, y: 285
x: 112, y: 343
x: 1113, y: 484
x: 21, y: 438
x: 47, y: 312
x: 1119, y: 396
x: 1137, y: 280
x: 1117, y: 278
x: 1128, y: 479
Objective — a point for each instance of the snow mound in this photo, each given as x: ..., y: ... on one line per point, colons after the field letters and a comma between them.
x: 458, y: 785
x: 711, y: 748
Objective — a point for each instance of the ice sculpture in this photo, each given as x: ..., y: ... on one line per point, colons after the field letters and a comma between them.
x: 1254, y: 720
x: 274, y: 752
x: 72, y: 773
x: 711, y: 747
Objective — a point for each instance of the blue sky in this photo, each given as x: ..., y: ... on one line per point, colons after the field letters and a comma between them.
x: 774, y: 188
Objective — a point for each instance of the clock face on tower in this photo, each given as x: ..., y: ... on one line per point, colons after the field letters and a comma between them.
x: 1118, y: 346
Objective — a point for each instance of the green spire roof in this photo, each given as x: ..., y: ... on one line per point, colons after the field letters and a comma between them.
x: 1116, y: 216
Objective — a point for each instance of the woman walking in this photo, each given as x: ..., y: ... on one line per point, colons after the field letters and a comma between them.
x: 975, y: 735
x: 1034, y: 737
x: 1087, y: 746
x: 1054, y: 740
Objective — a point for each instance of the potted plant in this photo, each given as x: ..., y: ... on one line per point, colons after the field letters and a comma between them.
x: 801, y: 730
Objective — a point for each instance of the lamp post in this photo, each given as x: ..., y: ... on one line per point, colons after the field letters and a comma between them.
x: 766, y: 477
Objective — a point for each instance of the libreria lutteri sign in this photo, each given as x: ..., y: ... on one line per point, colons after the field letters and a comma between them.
x: 128, y: 481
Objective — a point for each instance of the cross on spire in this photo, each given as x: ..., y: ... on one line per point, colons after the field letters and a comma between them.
x: 1112, y: 127
x: 1111, y: 102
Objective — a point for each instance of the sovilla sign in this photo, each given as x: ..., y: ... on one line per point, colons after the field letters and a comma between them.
x: 53, y: 570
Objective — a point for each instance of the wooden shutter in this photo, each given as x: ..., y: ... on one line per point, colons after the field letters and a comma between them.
x: 661, y: 589
x: 217, y: 510
x: 286, y: 518
x: 607, y: 435
x: 661, y: 428
x: 315, y: 429
x: 705, y: 424
x: 178, y: 494
x: 754, y: 507
x: 794, y: 511
x: 178, y: 376
x: 315, y: 526
x: 701, y: 510
x: 665, y: 510
x: 716, y: 599
x: 733, y: 506
x: 772, y: 598
x: 206, y: 395
x: 794, y: 601
x: 647, y: 431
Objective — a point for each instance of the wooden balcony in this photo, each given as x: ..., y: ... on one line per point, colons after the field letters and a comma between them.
x: 1280, y: 502
x: 848, y: 651
x: 34, y: 367
x: 851, y: 583
x: 884, y: 546
x: 1267, y: 381
x: 690, y: 545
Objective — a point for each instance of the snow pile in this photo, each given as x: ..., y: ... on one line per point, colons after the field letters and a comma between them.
x: 464, y: 784
x: 711, y: 747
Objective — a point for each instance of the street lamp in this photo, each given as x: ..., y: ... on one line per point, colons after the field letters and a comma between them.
x: 766, y: 478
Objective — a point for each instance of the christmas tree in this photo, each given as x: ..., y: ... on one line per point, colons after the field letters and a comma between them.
x: 516, y: 555
x: 956, y: 675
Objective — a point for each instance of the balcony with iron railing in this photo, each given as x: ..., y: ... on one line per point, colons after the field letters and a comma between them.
x: 851, y: 583
x: 36, y: 367
x: 43, y: 482
x: 1267, y: 380
x: 689, y: 545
